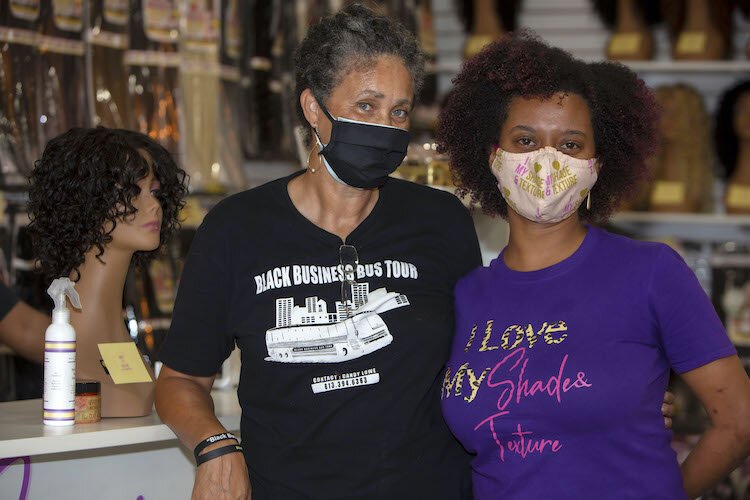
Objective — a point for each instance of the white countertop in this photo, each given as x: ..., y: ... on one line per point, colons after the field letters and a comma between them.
x: 22, y: 432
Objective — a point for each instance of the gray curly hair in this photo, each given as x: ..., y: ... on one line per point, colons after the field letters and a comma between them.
x: 351, y: 39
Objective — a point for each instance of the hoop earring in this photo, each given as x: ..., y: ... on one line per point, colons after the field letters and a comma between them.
x: 588, y: 201
x: 312, y: 170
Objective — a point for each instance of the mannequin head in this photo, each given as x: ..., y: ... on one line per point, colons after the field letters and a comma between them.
x: 96, y: 190
x: 732, y: 123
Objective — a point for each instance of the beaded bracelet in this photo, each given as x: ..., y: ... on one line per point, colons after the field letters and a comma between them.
x: 211, y: 440
x: 210, y: 455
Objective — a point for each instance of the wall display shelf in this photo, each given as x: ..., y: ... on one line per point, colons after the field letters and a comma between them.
x: 661, y: 66
x: 668, y: 66
x: 716, y: 228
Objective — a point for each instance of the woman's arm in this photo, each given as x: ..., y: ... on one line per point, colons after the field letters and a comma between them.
x: 723, y: 388
x: 184, y: 403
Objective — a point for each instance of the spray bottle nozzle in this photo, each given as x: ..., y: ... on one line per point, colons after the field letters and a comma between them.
x: 59, y: 289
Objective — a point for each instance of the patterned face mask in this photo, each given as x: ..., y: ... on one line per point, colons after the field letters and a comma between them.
x: 543, y: 185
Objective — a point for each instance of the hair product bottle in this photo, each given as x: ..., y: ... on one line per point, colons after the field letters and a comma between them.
x: 60, y: 357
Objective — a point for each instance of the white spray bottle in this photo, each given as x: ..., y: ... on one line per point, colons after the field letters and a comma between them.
x: 60, y: 357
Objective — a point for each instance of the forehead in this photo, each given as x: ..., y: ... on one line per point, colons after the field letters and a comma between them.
x: 385, y: 74
x: 560, y: 108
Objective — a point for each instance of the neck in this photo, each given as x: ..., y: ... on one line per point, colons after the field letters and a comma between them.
x: 485, y: 19
x: 327, y: 203
x: 697, y: 15
x: 741, y: 173
x: 101, y: 284
x: 533, y: 246
x: 627, y: 18
x: 674, y: 161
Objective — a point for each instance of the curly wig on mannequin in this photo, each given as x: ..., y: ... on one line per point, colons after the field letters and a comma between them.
x: 85, y: 182
x: 623, y: 114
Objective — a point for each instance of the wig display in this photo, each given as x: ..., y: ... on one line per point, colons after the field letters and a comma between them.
x: 486, y: 21
x: 199, y: 76
x: 87, y: 206
x: 265, y: 21
x: 62, y: 70
x: 682, y: 176
x: 249, y: 132
x: 744, y: 8
x: 152, y: 61
x: 426, y: 33
x: 108, y: 36
x: 732, y: 142
x: 19, y: 110
x: 702, y: 29
x: 231, y: 106
x: 630, y: 22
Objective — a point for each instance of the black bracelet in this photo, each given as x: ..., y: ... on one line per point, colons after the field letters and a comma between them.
x: 210, y: 455
x: 211, y: 440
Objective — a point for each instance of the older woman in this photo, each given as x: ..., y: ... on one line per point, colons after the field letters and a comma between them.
x: 565, y: 342
x: 336, y: 283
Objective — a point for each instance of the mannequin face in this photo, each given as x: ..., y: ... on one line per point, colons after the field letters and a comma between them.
x: 141, y: 231
x: 742, y: 117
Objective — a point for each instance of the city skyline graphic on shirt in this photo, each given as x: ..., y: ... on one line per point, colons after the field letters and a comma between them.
x: 313, y: 334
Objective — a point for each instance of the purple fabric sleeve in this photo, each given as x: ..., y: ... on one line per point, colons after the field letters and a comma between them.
x: 692, y: 333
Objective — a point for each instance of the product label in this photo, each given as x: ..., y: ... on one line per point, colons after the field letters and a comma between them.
x: 116, y: 12
x: 28, y: 10
x: 124, y: 362
x: 691, y: 42
x: 160, y: 20
x: 738, y: 196
x: 668, y: 193
x: 623, y: 44
x: 68, y: 14
x: 59, y: 382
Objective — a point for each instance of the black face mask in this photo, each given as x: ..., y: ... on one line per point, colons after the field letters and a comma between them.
x: 362, y: 154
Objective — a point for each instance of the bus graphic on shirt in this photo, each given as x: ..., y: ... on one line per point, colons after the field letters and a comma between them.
x: 312, y: 334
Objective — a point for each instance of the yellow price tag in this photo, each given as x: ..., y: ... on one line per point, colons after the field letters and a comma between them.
x: 691, y: 42
x: 624, y: 44
x: 738, y: 196
x: 668, y: 193
x: 124, y: 363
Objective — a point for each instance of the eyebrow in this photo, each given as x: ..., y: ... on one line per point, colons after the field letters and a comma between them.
x: 526, y: 128
x: 380, y: 95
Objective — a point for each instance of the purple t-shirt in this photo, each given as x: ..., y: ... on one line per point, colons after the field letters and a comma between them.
x: 556, y: 376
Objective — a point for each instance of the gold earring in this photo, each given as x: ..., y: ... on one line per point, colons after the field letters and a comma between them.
x: 312, y: 170
x: 588, y: 201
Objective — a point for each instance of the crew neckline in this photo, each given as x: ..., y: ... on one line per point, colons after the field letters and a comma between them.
x: 321, y: 233
x: 593, y: 234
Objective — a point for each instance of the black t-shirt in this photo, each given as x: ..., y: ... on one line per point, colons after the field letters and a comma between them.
x: 336, y: 402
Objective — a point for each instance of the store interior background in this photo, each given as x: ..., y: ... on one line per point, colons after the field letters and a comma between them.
x: 221, y: 99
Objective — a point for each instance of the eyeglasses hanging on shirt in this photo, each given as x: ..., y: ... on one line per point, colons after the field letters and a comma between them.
x: 349, y: 260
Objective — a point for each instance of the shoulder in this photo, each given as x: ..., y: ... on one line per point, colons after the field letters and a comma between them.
x: 616, y: 246
x: 475, y: 282
x: 422, y: 200
x: 248, y: 205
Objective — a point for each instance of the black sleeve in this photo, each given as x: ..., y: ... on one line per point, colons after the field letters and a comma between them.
x: 8, y: 299
x: 199, y: 341
x: 468, y: 253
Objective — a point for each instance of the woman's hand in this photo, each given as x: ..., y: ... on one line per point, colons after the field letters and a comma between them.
x: 667, y: 409
x: 222, y: 478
